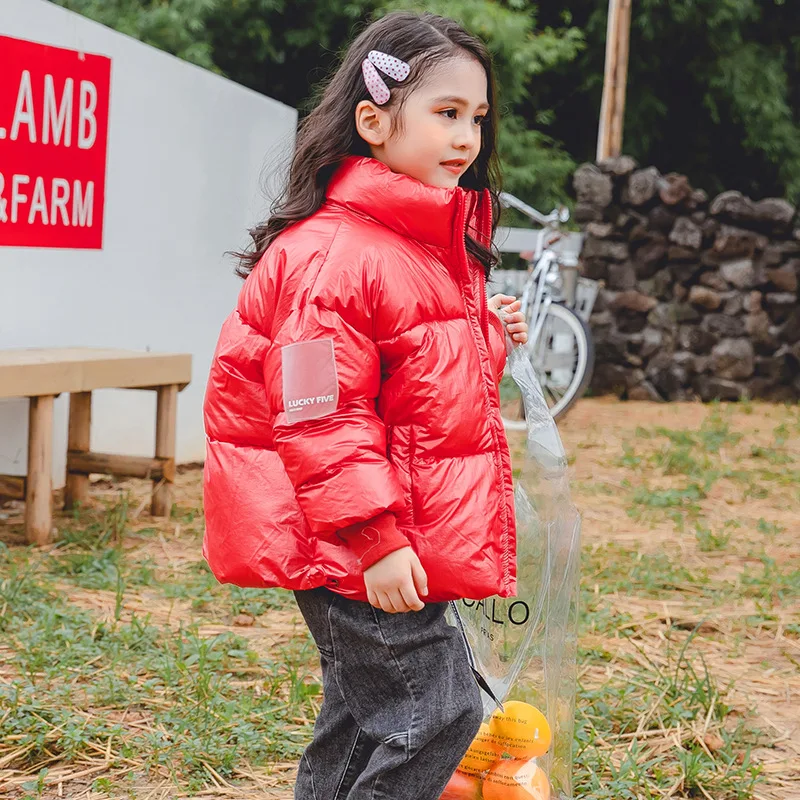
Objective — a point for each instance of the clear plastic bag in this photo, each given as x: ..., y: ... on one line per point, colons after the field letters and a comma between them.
x: 523, y: 648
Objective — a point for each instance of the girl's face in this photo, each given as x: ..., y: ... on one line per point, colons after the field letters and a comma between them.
x: 437, y: 134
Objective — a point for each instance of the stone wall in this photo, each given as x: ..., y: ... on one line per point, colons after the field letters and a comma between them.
x: 699, y: 297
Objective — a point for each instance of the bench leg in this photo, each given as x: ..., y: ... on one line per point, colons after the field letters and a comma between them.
x: 166, y: 418
x: 39, y: 489
x: 78, y: 440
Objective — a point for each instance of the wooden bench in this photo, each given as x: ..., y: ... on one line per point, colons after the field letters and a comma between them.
x: 41, y: 375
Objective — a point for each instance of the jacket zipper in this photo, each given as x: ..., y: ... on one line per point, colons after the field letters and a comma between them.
x: 487, y: 236
x: 468, y: 286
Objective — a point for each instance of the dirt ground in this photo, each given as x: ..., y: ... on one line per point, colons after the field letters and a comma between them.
x: 759, y: 663
x: 750, y: 642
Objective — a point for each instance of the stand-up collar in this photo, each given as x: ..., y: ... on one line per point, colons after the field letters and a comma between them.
x: 426, y: 213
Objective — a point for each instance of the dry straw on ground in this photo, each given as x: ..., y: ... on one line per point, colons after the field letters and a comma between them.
x: 722, y: 579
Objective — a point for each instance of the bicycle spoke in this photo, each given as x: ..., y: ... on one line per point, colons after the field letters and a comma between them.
x: 559, y: 361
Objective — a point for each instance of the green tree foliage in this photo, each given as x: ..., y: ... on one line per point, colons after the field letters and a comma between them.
x: 177, y: 26
x: 713, y: 91
x: 284, y: 48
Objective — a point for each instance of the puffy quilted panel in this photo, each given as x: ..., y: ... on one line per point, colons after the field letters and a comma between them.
x: 382, y: 273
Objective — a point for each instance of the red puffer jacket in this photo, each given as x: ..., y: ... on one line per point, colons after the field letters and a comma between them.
x: 357, y: 380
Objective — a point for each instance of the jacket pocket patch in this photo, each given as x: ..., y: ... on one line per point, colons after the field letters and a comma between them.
x: 310, y: 384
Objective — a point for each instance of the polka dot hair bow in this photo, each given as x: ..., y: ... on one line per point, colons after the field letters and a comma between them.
x: 389, y: 65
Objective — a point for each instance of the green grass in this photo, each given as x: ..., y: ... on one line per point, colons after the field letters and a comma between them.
x: 708, y: 541
x: 681, y: 697
x: 702, y: 457
x: 613, y: 569
x: 204, y: 703
x: 769, y: 529
x: 208, y: 700
x: 670, y: 476
x: 214, y: 702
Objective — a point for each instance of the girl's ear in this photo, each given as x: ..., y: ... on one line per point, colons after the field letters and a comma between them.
x: 372, y: 123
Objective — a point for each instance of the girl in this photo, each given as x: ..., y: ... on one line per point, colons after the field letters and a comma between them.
x: 356, y: 452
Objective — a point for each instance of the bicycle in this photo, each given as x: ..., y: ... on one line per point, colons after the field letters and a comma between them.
x: 557, y: 303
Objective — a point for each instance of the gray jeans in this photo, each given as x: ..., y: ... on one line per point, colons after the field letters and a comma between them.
x: 400, y: 707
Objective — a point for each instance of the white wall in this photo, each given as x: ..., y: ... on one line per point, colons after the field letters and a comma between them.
x: 187, y: 156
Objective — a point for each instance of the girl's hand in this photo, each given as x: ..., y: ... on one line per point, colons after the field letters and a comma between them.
x: 508, y: 309
x: 395, y: 583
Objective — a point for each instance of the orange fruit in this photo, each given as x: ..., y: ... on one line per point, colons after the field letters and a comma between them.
x: 513, y: 779
x: 462, y: 787
x: 482, y: 753
x: 520, y: 730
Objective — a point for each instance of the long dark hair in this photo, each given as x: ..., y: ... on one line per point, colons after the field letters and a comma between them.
x: 328, y: 134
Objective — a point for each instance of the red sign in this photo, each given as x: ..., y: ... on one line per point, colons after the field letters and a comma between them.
x: 53, y: 137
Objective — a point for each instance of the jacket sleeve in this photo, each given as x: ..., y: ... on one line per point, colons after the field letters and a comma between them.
x: 323, y: 377
x: 374, y: 539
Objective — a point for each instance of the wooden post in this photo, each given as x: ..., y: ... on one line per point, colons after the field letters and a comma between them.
x: 78, y: 441
x: 621, y: 76
x: 166, y: 418
x: 612, y: 110
x: 39, y: 488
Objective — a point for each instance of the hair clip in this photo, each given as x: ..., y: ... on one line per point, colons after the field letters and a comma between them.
x: 391, y: 66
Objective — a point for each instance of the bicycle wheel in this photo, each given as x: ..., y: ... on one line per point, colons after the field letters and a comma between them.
x: 563, y: 360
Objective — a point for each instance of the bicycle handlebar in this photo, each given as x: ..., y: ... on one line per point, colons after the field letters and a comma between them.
x: 510, y: 201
